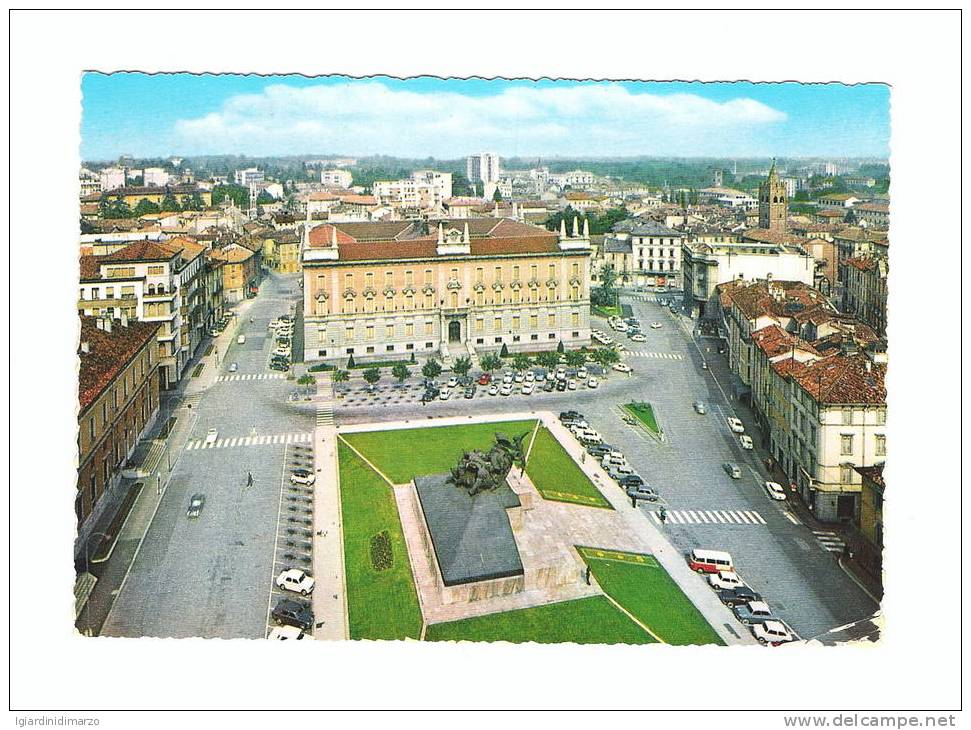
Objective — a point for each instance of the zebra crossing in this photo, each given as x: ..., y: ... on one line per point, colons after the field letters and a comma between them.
x: 830, y: 541
x: 656, y: 355
x: 656, y: 298
x: 280, y: 438
x: 325, y: 415
x: 710, y: 516
x: 250, y: 376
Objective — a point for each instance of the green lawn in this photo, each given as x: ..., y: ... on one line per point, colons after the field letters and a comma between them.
x: 557, y: 476
x: 405, y: 454
x: 643, y: 587
x: 382, y: 604
x: 644, y: 413
x: 592, y: 620
x: 605, y: 311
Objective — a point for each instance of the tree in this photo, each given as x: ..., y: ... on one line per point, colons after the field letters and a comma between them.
x: 341, y: 376
x: 350, y: 361
x: 605, y: 295
x: 307, y: 379
x: 560, y: 348
x: 497, y: 196
x: 170, y: 204
x: 431, y: 369
x: 547, y: 359
x: 144, y: 207
x: 264, y: 197
x: 576, y: 358
x: 372, y: 376
x: 490, y: 362
x: 237, y: 193
x: 521, y: 361
x: 400, y: 372
x: 462, y: 366
x: 114, y: 208
x: 605, y: 356
x: 504, y: 352
x: 193, y: 203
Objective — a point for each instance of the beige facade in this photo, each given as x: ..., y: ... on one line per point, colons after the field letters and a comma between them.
x: 453, y: 296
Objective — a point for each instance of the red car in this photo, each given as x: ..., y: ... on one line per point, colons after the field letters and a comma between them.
x: 485, y: 379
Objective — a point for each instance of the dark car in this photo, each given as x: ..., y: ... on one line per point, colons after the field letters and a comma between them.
x: 570, y: 415
x: 561, y: 385
x: 598, y: 450
x: 548, y: 386
x: 642, y: 491
x: 282, y: 366
x: 754, y: 612
x: 737, y: 596
x: 430, y: 394
x: 293, y: 613
x: 196, y: 503
x: 631, y: 480
x: 470, y: 392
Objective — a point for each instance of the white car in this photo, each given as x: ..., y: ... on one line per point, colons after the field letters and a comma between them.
x: 527, y: 388
x: 494, y: 389
x: 445, y: 394
x: 638, y: 338
x: 775, y: 490
x: 772, y: 632
x: 211, y: 436
x: 745, y: 441
x: 592, y: 382
x: 506, y: 389
x: 295, y: 580
x: 507, y: 377
x: 282, y: 352
x: 621, y: 327
x: 582, y: 373
x: 727, y: 579
x: 453, y: 382
x: 589, y: 437
x: 623, y: 367
x: 233, y: 367
x: 618, y: 346
x: 282, y: 633
x: 302, y: 476
x: 655, y: 325
x: 541, y: 376
x: 571, y: 384
x: 518, y: 378
x: 580, y: 425
x: 735, y: 425
x: 560, y: 373
x: 530, y: 376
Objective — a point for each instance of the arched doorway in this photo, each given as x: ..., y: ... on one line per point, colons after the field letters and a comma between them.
x: 454, y: 331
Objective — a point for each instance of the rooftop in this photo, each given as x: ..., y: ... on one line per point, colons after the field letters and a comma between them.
x: 108, y: 353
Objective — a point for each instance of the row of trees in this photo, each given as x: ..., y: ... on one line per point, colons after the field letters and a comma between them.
x: 599, y: 223
x: 489, y: 363
x: 118, y: 208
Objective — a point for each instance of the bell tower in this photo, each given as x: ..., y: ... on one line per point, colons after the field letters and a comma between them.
x: 773, y: 203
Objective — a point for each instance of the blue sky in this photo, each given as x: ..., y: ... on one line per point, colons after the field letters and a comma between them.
x: 184, y: 114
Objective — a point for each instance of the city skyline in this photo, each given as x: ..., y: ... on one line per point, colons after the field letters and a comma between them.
x: 132, y: 113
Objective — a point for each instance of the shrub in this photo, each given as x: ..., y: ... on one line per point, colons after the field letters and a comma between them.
x: 381, y: 555
x: 306, y: 380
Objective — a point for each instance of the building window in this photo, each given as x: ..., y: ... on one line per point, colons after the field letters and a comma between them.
x: 534, y: 337
x: 321, y: 353
x: 576, y: 334
x: 515, y: 322
x: 410, y: 346
x: 389, y: 348
x: 409, y: 329
x: 533, y: 321
x: 429, y: 345
x: 846, y: 445
x: 369, y: 350
x: 846, y: 473
x: 552, y: 320
x: 497, y: 340
x: 881, y: 445
x: 515, y: 338
x: 882, y: 417
x: 479, y: 324
x: 575, y: 319
x: 847, y: 416
x: 389, y: 331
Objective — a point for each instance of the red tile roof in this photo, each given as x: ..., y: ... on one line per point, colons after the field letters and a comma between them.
x: 142, y: 251
x: 108, y: 353
x: 844, y: 379
x: 90, y: 267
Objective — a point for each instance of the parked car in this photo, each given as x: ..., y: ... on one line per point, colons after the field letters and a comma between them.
x: 283, y: 633
x: 589, y: 436
x: 571, y: 384
x: 592, y: 382
x: 700, y: 407
x: 725, y: 580
x: 485, y: 379
x: 637, y: 337
x: 233, y: 367
x: 540, y: 376
x: 772, y: 632
x: 302, y: 476
x: 655, y: 325
x: 732, y: 470
x: 527, y: 388
x: 775, y: 491
x: 293, y: 613
x: 507, y: 377
x: 569, y: 415
x: 630, y: 480
x: 445, y: 394
x: 753, y: 612
x: 494, y: 389
x: 738, y: 595
x: 196, y: 503
x: 623, y: 367
x: 430, y: 395
x: 506, y: 389
x: 518, y: 377
x: 598, y: 450
x: 295, y: 580
x: 211, y: 436
x: 453, y: 382
x: 277, y: 365
x: 529, y: 376
x: 560, y: 385
x: 470, y: 392
x: 241, y: 340
x: 549, y: 386
x: 582, y: 374
x: 575, y: 424
x: 745, y: 441
x: 621, y: 326
x: 735, y: 425
x: 614, y: 457
x: 642, y: 491
x: 619, y: 471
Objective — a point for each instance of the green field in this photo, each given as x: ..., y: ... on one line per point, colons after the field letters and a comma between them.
x: 643, y: 587
x: 605, y: 311
x: 644, y: 413
x: 592, y: 620
x: 557, y: 476
x: 404, y: 454
x: 381, y: 603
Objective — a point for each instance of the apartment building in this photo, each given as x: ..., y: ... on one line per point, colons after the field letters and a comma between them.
x: 425, y: 189
x: 337, y: 178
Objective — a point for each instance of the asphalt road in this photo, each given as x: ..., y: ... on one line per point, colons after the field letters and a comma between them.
x: 211, y: 576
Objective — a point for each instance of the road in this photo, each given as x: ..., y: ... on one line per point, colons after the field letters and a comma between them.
x: 211, y: 576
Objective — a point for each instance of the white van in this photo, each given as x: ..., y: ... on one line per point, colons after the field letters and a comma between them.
x: 710, y: 561
x: 241, y: 340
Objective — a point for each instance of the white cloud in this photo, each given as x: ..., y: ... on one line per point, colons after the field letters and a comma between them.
x: 367, y: 117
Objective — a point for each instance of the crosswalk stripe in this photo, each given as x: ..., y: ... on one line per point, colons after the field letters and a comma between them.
x: 673, y: 517
x: 656, y: 518
x: 703, y: 517
x: 792, y: 519
x: 691, y: 514
x: 716, y: 517
x: 743, y: 517
x: 756, y: 516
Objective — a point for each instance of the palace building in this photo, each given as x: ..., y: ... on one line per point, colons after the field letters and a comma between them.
x: 451, y: 287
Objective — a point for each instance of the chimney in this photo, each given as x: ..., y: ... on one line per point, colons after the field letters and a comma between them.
x: 100, y: 323
x: 107, y: 325
x: 124, y: 320
x: 85, y: 347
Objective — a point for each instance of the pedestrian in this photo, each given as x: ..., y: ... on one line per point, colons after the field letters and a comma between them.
x: 249, y: 479
x: 583, y: 456
x: 587, y: 576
